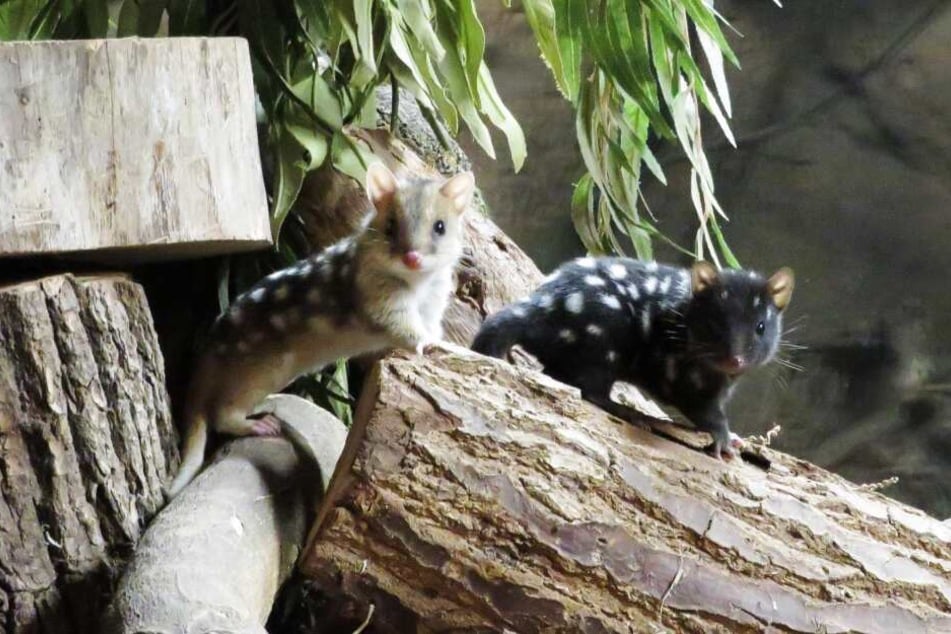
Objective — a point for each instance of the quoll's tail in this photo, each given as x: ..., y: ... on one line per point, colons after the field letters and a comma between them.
x: 499, y: 332
x: 193, y: 454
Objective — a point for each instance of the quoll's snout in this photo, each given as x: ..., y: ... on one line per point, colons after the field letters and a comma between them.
x: 413, y: 260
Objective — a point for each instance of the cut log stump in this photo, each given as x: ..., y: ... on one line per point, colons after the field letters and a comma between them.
x: 475, y: 496
x: 132, y: 149
x: 86, y: 443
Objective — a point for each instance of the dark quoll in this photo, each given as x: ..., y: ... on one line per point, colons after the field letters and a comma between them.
x: 683, y: 335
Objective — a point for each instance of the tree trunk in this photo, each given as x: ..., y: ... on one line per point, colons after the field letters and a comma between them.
x: 477, y: 496
x: 145, y: 148
x: 86, y: 443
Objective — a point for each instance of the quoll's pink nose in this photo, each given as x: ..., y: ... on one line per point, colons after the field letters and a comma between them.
x: 413, y: 260
x: 736, y: 363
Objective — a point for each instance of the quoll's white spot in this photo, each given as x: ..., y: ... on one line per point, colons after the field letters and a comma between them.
x: 313, y: 296
x: 633, y: 292
x: 282, y: 292
x: 664, y: 286
x: 236, y: 315
x: 752, y: 275
x: 646, y: 322
x: 554, y: 275
x: 594, y: 330
x: 519, y: 311
x: 593, y: 280
x: 305, y: 267
x: 724, y: 294
x: 756, y: 301
x: 611, y: 301
x: 345, y: 269
x: 276, y: 275
x: 670, y: 369
x: 574, y: 303
x: 611, y: 356
x: 257, y: 295
x: 566, y: 335
x: 278, y: 322
x: 545, y: 300
x: 617, y: 271
x: 586, y: 263
x: 651, y: 266
x: 650, y: 285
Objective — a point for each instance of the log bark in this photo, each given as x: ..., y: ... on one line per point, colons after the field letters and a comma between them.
x: 86, y: 443
x: 140, y: 148
x: 214, y: 558
x: 476, y: 496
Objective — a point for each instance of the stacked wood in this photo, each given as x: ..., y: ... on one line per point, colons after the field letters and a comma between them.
x: 86, y: 443
x: 138, y: 148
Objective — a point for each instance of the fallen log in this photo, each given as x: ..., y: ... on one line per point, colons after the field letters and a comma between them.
x: 86, y: 443
x: 476, y: 496
x: 215, y: 557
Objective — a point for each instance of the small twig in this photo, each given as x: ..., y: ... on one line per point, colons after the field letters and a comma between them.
x: 870, y: 487
x: 670, y: 588
x: 765, y: 440
x: 366, y: 621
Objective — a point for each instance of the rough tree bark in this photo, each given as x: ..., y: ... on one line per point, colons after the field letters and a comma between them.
x: 144, y: 147
x: 86, y: 443
x: 477, y: 496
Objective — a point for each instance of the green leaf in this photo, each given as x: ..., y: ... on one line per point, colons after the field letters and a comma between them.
x: 17, y: 19
x: 349, y: 157
x: 501, y: 118
x: 569, y: 18
x: 541, y: 17
x: 186, y: 17
x: 418, y: 16
x: 140, y: 17
x: 472, y: 39
x: 288, y: 178
x: 313, y: 146
x: 97, y: 17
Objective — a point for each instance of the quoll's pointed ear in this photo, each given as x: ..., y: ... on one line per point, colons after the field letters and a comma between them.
x: 703, y: 275
x: 780, y: 286
x: 459, y: 189
x: 381, y: 186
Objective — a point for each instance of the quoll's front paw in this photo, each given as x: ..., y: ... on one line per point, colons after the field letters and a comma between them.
x: 725, y: 447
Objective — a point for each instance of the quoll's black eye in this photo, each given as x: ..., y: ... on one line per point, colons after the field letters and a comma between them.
x: 761, y: 328
x: 390, y: 227
x: 439, y: 227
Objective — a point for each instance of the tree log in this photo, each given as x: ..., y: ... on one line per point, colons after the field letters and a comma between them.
x: 215, y: 556
x: 86, y: 443
x: 142, y: 148
x: 476, y: 496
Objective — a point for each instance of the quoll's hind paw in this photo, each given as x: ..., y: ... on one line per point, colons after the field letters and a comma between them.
x: 736, y: 442
x: 267, y: 425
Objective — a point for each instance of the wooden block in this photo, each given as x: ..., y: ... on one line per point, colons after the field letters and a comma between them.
x: 142, y: 148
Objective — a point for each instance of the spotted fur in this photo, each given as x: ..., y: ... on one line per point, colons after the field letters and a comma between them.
x: 683, y: 335
x: 387, y: 286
